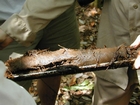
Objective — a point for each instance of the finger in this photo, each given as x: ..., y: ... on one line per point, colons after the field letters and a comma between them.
x: 137, y: 62
x: 6, y: 42
x: 136, y: 43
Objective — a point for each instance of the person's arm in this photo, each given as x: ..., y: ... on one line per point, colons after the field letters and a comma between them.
x: 35, y: 15
x: 136, y: 45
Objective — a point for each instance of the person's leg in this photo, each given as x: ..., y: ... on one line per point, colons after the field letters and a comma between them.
x: 47, y: 89
x: 107, y: 93
x: 61, y: 31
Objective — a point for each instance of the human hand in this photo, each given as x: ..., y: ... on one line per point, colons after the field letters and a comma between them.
x: 5, y: 40
x: 136, y: 45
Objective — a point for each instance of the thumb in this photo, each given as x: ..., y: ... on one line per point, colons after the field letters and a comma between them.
x: 136, y: 43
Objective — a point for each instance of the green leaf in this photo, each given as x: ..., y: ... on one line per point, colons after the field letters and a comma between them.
x: 86, y: 82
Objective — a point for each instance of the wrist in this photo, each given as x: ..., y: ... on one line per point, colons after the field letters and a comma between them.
x: 2, y: 35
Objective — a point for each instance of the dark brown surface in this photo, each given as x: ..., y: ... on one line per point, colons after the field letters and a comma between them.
x: 43, y: 63
x: 44, y: 59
